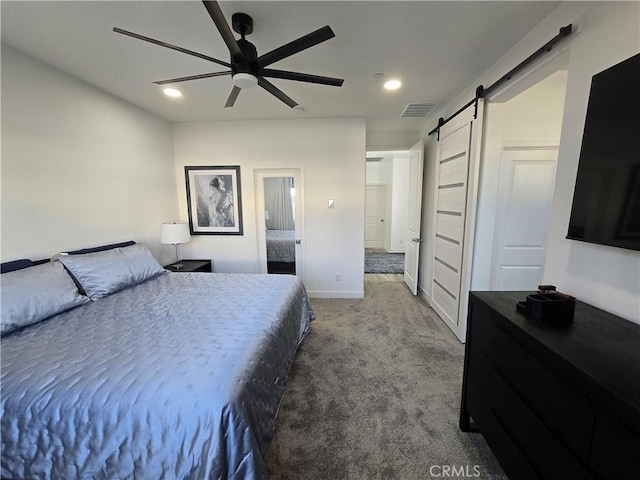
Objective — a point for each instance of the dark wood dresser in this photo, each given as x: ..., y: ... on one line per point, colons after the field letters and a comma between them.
x: 191, y: 266
x: 553, y: 402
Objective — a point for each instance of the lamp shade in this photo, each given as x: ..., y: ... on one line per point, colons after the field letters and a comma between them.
x: 174, y: 233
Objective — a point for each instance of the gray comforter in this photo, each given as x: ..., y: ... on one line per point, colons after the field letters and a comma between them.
x: 178, y: 377
x: 281, y: 245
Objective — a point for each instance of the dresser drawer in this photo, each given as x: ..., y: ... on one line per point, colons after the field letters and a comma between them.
x: 616, y: 449
x: 500, y: 412
x: 512, y: 460
x: 565, y: 411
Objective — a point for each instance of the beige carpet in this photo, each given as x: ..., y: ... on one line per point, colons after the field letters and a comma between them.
x: 374, y: 393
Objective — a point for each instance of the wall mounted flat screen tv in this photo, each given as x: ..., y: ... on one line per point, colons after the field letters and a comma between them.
x: 606, y: 199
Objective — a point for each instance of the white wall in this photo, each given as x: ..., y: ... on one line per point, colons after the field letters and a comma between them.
x: 80, y: 167
x: 390, y: 141
x: 331, y: 157
x: 606, y: 277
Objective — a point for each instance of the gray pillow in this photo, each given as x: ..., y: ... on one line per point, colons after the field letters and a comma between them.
x: 36, y: 293
x: 103, y: 273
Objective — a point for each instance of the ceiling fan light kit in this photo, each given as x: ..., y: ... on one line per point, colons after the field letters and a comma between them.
x: 245, y: 80
x: 247, y: 69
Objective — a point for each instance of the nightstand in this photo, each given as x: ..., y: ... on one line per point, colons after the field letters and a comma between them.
x: 192, y: 266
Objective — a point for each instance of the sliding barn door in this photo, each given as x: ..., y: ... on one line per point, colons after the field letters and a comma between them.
x: 455, y: 197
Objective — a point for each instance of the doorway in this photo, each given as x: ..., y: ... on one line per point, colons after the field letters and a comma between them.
x: 522, y: 138
x: 374, y: 211
x: 386, y: 206
x: 278, y: 194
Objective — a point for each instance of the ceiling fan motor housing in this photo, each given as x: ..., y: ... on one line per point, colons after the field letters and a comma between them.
x: 242, y: 23
x: 248, y: 64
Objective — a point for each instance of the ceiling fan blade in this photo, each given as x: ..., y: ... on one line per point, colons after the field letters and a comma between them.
x: 172, y: 47
x: 235, y: 91
x: 302, y: 43
x: 193, y: 77
x: 302, y: 77
x: 276, y: 92
x: 223, y: 27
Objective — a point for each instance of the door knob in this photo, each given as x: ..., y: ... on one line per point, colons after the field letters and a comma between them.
x: 298, y: 242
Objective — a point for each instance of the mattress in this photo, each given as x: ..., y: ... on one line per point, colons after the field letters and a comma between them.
x: 281, y: 245
x: 179, y: 377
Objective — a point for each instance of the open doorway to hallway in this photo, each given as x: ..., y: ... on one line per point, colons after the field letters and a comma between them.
x: 386, y: 207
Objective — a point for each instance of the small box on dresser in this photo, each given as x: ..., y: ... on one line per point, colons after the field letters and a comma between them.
x: 553, y: 402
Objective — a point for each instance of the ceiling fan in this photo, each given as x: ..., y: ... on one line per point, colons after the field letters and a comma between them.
x: 247, y: 69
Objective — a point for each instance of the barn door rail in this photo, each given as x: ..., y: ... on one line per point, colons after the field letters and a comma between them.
x: 481, y: 91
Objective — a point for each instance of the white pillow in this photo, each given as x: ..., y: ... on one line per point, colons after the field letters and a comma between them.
x: 103, y: 273
x: 36, y: 293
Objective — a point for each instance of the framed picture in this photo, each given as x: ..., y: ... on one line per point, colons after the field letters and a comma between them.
x: 214, y: 200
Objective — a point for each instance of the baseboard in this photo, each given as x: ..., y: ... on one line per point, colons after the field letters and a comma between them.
x: 424, y: 294
x: 325, y: 294
x: 394, y: 251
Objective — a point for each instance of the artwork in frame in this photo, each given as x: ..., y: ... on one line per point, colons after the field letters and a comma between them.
x: 214, y: 200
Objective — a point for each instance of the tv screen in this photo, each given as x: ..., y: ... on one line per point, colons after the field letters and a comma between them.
x: 606, y: 199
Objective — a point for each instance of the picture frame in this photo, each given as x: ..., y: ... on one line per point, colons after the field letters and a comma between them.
x: 214, y: 200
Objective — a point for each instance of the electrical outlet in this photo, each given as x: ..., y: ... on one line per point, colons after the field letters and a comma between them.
x: 338, y: 277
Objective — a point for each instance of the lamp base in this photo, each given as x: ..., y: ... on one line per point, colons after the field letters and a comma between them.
x: 178, y: 265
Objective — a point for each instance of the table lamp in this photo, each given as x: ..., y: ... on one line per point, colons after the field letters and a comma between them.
x: 175, y: 233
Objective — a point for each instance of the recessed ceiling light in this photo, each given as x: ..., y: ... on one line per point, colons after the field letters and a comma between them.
x: 172, y: 92
x: 392, y: 84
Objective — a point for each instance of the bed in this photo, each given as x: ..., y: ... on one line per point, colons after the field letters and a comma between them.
x: 281, y: 251
x: 177, y: 376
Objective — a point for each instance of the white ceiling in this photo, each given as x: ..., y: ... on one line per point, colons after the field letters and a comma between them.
x: 435, y: 48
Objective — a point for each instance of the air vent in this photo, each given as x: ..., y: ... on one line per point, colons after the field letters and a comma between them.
x: 418, y: 109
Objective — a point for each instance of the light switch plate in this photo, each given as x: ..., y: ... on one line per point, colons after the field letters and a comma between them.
x: 331, y: 203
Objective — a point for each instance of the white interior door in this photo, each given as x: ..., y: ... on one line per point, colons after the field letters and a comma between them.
x: 374, y: 216
x: 454, y: 200
x: 525, y: 195
x: 412, y: 241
